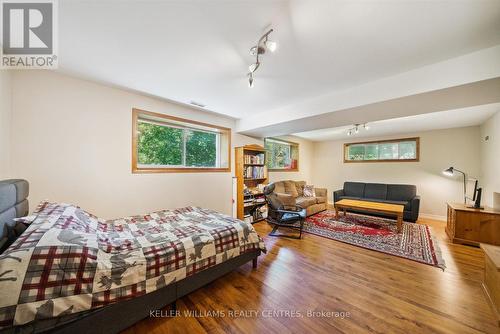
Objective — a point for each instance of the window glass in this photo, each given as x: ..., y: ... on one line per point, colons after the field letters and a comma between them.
x: 371, y: 152
x: 281, y: 155
x: 357, y: 152
x: 390, y: 150
x: 166, y: 143
x: 407, y: 150
x: 159, y: 145
x: 201, y: 149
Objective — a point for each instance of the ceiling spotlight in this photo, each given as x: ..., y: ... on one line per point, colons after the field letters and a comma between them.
x: 271, y: 45
x: 253, y: 67
x: 262, y: 45
x: 366, y: 126
x: 250, y: 80
x: 356, y: 129
x: 349, y: 133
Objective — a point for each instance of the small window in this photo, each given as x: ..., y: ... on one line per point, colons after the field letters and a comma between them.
x: 282, y: 155
x: 382, y: 151
x: 162, y: 143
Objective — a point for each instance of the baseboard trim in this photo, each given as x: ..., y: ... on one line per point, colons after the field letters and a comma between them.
x: 433, y: 217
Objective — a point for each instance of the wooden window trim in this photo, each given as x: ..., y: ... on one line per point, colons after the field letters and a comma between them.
x: 298, y: 156
x: 143, y: 170
x: 416, y: 139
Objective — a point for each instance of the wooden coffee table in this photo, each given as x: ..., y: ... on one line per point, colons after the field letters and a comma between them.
x: 377, y: 207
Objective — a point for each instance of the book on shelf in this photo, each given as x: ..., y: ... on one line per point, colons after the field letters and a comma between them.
x: 254, y: 172
x: 256, y: 159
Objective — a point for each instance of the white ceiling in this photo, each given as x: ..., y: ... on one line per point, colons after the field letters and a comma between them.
x: 425, y: 122
x: 198, y: 50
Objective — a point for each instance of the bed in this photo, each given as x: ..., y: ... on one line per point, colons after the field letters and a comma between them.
x: 70, y: 271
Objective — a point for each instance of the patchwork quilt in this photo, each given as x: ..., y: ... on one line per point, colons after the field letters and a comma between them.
x: 69, y: 261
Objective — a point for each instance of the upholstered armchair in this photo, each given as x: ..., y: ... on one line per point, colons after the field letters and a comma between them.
x: 283, y: 212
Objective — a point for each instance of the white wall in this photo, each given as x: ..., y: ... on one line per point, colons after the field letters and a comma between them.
x: 490, y: 158
x: 72, y: 142
x: 5, y: 123
x: 71, y: 139
x: 439, y: 150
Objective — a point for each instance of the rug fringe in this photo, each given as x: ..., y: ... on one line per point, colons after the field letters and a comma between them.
x: 437, y: 249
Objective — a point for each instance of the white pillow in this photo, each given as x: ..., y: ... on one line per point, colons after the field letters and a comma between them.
x: 309, y: 191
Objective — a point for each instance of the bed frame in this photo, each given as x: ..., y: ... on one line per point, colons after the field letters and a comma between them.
x: 119, y: 316
x: 13, y: 204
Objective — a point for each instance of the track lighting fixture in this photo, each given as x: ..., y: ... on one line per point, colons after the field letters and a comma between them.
x: 355, y: 128
x: 263, y: 44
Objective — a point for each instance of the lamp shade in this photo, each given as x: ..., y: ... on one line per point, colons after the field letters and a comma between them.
x: 448, y: 171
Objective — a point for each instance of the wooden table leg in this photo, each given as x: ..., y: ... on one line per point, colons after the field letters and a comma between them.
x: 336, y: 212
x: 345, y: 212
x: 400, y: 223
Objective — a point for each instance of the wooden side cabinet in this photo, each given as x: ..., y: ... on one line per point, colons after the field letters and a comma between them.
x: 473, y: 226
x: 491, y: 281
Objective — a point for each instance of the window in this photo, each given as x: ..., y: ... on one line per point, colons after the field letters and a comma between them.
x: 282, y: 155
x: 162, y: 143
x: 382, y: 151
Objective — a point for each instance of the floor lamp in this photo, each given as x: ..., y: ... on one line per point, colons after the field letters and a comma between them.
x: 450, y: 172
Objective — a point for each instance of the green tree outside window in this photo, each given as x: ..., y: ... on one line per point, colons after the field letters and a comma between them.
x: 172, y: 146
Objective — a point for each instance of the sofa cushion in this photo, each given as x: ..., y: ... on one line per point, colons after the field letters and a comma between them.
x: 290, y: 188
x: 320, y: 199
x: 304, y: 202
x: 279, y: 187
x: 285, y: 199
x: 321, y: 192
x: 299, y: 185
x: 406, y: 204
x: 384, y: 201
x: 375, y: 190
x: 401, y: 192
x: 350, y: 197
x: 355, y: 189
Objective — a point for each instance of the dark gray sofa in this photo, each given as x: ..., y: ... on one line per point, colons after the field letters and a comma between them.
x: 404, y: 194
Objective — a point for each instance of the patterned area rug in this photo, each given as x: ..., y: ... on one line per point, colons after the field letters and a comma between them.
x: 379, y: 234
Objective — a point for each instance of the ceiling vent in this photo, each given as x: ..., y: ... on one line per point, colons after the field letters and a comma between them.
x: 197, y: 104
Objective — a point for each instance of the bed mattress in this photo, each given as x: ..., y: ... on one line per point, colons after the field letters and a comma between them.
x: 69, y: 261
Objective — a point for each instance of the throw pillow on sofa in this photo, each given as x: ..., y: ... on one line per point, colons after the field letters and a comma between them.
x: 290, y: 188
x: 309, y: 191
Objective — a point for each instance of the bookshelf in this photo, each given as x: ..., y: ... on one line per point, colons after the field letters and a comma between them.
x: 251, y: 171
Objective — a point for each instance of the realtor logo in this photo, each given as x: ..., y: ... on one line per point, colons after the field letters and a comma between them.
x: 28, y: 34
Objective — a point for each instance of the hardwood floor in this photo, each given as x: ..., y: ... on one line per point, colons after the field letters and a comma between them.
x: 381, y: 293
